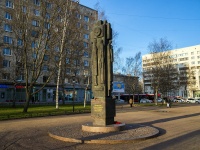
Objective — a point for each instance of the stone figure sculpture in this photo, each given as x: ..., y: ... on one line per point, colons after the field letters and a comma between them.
x: 102, y: 59
x: 102, y: 106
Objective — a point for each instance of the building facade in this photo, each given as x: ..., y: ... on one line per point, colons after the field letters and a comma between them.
x: 185, y: 60
x: 10, y: 90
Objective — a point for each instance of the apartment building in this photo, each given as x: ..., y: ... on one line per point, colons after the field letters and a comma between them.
x: 9, y: 42
x: 184, y: 59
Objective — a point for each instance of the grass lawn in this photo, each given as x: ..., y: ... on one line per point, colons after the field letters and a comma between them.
x: 7, y: 112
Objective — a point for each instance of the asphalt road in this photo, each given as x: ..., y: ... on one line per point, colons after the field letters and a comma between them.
x: 179, y: 128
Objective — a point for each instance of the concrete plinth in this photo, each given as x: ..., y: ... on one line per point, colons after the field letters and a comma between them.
x: 103, y: 111
x: 131, y: 133
x: 89, y: 127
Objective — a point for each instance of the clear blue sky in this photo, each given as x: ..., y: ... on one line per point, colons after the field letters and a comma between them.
x: 139, y: 22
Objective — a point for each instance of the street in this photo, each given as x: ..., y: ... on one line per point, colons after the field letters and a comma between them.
x: 178, y: 126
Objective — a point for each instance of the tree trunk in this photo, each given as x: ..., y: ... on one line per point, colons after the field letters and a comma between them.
x: 26, y: 105
x: 14, y: 98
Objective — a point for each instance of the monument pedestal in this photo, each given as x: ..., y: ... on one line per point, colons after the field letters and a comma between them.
x: 103, y: 111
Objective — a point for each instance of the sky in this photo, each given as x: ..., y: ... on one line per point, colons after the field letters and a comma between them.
x: 140, y: 22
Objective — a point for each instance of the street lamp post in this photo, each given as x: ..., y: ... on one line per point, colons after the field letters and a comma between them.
x: 73, y: 93
x: 86, y: 92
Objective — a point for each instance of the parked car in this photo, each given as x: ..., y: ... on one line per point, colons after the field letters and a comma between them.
x: 119, y: 101
x: 144, y: 100
x: 198, y: 101
x: 178, y: 100
x: 159, y: 100
x: 191, y: 100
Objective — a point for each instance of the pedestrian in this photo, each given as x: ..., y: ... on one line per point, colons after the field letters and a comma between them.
x: 170, y: 103
x: 131, y: 102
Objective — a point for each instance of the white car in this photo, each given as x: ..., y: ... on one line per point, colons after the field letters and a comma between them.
x: 191, y: 100
x: 198, y: 101
x: 144, y: 100
x: 178, y: 100
x: 119, y: 101
x: 159, y: 100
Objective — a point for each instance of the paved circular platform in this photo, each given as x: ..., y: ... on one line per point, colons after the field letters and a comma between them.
x: 130, y: 134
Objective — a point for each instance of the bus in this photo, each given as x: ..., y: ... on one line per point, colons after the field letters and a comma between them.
x: 137, y: 97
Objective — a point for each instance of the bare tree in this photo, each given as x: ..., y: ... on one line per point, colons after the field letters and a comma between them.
x: 187, y: 80
x: 117, y: 64
x: 132, y: 68
x: 162, y: 71
x: 35, y: 33
x: 69, y: 40
x: 101, y: 12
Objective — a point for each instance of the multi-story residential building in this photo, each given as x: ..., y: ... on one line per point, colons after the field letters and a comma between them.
x: 185, y: 60
x: 8, y: 43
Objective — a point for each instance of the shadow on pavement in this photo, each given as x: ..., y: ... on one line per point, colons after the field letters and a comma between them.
x: 177, y: 141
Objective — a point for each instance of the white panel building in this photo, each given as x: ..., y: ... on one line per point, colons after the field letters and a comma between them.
x: 188, y: 57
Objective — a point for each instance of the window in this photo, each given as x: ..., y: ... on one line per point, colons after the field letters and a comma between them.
x: 86, y: 18
x: 7, y: 40
x: 66, y: 80
x: 85, y: 44
x: 45, y: 68
x: 20, y: 78
x: 46, y: 57
x: 45, y: 78
x: 9, y: 4
x: 6, y: 51
x: 19, y: 42
x: 34, y: 33
x: 48, y: 5
x: 34, y: 44
x: 47, y: 25
x: 57, y: 58
x: 192, y: 53
x: 76, y: 62
x: 192, y: 57
x: 68, y: 71
x: 78, y: 15
x: 8, y: 16
x: 36, y: 12
x: 47, y: 16
x: 5, y: 76
x: 193, y: 62
x: 57, y: 49
x: 34, y: 55
x: 86, y: 36
x: 35, y: 23
x: 59, y: 18
x: 86, y: 27
x: 67, y: 60
x: 7, y: 27
x: 86, y: 54
x: 36, y: 2
x: 47, y: 47
x: 6, y: 63
x: 78, y: 25
x: 24, y: 9
x: 86, y: 63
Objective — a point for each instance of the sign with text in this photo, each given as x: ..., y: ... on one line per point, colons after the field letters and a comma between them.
x: 118, y: 87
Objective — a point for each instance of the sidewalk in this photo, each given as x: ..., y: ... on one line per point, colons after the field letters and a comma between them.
x: 179, y: 127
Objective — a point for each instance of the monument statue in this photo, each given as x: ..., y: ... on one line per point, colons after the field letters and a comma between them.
x: 102, y: 106
x: 102, y: 59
